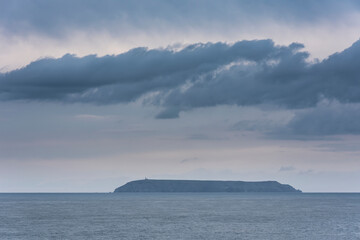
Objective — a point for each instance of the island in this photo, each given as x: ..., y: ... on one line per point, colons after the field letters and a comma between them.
x: 154, y: 185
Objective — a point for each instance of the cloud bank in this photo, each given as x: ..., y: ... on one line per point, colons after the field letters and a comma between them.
x: 245, y: 73
x: 328, y: 118
x: 126, y: 77
x: 200, y: 75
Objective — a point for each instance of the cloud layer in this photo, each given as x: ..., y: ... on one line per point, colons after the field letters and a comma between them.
x: 246, y: 73
x: 61, y: 18
x: 200, y: 75
x: 30, y: 30
x: 126, y: 77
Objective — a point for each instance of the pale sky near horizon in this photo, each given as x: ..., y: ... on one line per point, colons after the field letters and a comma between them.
x: 97, y: 93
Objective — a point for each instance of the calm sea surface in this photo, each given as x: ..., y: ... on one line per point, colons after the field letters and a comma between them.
x: 180, y: 216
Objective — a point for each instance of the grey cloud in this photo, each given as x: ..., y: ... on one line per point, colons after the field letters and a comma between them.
x: 246, y: 73
x: 328, y: 118
x: 124, y: 77
x: 59, y: 18
x: 169, y: 113
x: 285, y: 78
x: 287, y: 168
x: 251, y: 84
x: 188, y: 160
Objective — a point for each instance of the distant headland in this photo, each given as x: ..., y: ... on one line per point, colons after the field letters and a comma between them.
x: 153, y: 185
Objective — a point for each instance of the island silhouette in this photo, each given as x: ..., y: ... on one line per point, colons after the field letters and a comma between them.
x: 156, y: 185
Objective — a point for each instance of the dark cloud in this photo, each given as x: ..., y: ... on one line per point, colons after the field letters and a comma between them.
x: 59, y: 18
x: 125, y: 77
x: 324, y: 121
x: 283, y: 78
x: 246, y: 73
x: 328, y: 118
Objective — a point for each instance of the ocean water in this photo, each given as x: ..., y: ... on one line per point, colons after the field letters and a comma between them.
x: 180, y: 216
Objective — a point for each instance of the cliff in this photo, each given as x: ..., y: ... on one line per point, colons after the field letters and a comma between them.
x: 150, y: 185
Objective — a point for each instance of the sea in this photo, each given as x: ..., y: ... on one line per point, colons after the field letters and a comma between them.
x: 223, y: 216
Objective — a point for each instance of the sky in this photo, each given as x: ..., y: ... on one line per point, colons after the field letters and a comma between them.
x: 94, y: 94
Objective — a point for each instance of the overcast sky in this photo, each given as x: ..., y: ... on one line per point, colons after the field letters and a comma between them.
x: 97, y: 93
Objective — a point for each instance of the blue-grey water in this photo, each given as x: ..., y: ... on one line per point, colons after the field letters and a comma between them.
x: 180, y: 216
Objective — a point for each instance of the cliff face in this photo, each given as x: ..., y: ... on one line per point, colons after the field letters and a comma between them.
x: 148, y: 185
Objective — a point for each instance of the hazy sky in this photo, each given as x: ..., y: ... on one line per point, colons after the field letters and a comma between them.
x: 97, y: 93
